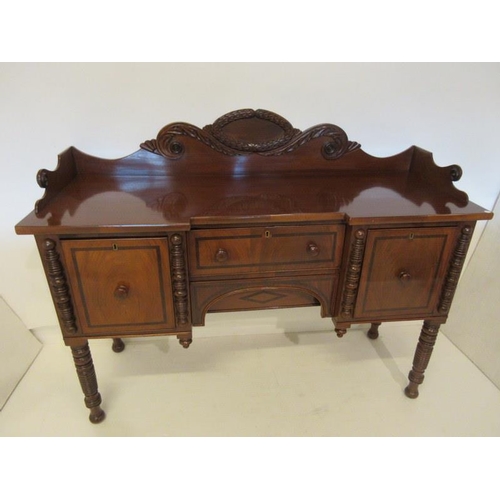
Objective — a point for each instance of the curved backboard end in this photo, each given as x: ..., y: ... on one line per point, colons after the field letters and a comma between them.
x: 54, y: 181
x: 424, y: 168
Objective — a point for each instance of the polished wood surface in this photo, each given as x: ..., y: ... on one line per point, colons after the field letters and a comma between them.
x: 120, y: 285
x: 252, y: 294
x: 403, y: 271
x: 110, y: 204
x: 263, y: 249
x: 248, y: 213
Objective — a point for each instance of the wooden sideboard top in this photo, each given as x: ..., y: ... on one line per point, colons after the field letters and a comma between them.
x: 248, y: 167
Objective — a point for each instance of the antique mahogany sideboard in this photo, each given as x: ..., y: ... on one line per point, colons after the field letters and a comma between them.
x: 248, y: 213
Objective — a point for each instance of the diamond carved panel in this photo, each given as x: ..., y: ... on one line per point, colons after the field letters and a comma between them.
x: 263, y: 297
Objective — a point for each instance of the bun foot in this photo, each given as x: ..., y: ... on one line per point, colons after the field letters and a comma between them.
x: 373, y: 331
x: 185, y: 342
x: 97, y: 415
x: 411, y: 390
x: 118, y: 345
x: 340, y: 332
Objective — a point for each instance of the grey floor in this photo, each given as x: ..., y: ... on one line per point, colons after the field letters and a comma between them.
x: 297, y: 384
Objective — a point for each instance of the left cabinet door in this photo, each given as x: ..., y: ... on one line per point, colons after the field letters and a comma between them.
x: 120, y: 285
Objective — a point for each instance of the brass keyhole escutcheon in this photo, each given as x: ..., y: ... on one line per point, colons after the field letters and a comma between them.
x: 267, y: 234
x: 115, y: 246
x: 412, y: 236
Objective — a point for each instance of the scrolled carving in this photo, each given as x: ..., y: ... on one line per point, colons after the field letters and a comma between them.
x: 168, y: 142
x: 179, y: 280
x: 59, y: 287
x: 53, y: 181
x: 149, y: 145
x: 336, y: 146
x: 42, y: 178
x: 455, y: 269
x: 284, y: 138
x: 353, y: 274
x: 455, y: 173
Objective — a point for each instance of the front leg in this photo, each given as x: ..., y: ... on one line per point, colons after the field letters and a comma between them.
x: 373, y: 331
x: 86, y: 374
x: 422, y: 356
x: 118, y: 345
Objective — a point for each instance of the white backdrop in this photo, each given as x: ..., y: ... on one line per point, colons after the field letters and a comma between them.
x: 106, y: 110
x: 474, y: 318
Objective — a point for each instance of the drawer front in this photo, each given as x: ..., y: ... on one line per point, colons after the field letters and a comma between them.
x: 403, y: 271
x: 120, y: 285
x: 232, y: 252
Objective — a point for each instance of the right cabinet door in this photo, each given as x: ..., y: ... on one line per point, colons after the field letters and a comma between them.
x: 403, y: 272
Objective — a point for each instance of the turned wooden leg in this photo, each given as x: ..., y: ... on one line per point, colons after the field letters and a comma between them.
x: 88, y: 381
x: 340, y: 332
x: 118, y: 345
x: 373, y: 331
x: 185, y: 340
x: 423, y: 353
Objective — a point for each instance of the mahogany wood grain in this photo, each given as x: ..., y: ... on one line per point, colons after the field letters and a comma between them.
x: 248, y: 213
x: 54, y: 182
x: 120, y: 285
x: 216, y: 252
x: 403, y: 270
x: 252, y: 294
x: 425, y: 346
x: 88, y: 381
x: 101, y: 204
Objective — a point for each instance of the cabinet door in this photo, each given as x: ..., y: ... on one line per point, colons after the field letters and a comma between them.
x: 403, y: 272
x: 120, y: 285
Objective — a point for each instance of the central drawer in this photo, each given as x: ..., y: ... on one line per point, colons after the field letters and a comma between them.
x: 278, y: 249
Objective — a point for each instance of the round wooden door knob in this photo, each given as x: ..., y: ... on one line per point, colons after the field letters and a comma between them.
x: 313, y: 249
x: 121, y: 291
x: 221, y: 255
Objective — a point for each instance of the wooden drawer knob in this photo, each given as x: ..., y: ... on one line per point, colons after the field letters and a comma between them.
x: 313, y: 249
x: 404, y: 276
x: 221, y: 255
x: 121, y: 291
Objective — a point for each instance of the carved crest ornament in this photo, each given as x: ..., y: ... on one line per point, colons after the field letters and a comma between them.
x: 247, y: 131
